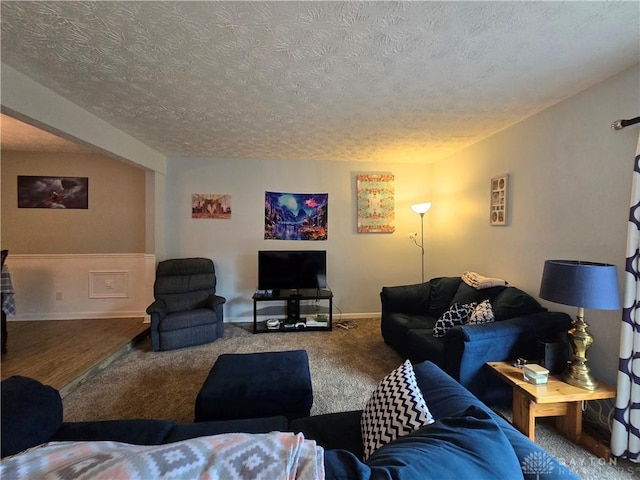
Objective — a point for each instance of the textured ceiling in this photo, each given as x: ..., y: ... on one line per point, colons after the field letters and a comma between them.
x: 361, y: 81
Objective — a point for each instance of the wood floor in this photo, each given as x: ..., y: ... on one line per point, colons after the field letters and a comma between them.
x: 62, y: 353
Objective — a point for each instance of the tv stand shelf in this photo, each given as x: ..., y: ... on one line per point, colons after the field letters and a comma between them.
x: 293, y: 309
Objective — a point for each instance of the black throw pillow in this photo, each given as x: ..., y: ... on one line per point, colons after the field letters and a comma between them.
x: 513, y: 302
x: 442, y: 291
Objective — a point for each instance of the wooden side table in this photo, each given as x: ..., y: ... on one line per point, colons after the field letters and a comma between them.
x: 553, y: 399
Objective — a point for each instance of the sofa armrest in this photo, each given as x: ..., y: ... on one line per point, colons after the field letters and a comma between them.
x: 447, y: 398
x: 31, y: 414
x: 469, y: 347
x: 413, y: 299
x: 531, y: 323
x: 134, y: 431
x: 158, y: 432
x: 217, y: 427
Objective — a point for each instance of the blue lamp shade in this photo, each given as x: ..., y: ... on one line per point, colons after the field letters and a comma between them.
x: 581, y: 284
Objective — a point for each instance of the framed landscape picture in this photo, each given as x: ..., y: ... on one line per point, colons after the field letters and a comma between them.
x: 295, y: 216
x: 498, y: 211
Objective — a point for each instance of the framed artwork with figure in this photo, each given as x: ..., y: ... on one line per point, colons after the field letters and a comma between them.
x: 53, y: 192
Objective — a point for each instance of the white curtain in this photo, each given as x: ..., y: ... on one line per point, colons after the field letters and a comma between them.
x: 625, y: 430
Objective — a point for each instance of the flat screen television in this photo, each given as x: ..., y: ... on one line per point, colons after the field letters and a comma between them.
x: 292, y: 269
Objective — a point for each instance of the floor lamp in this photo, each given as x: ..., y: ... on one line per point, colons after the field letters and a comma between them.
x: 421, y: 209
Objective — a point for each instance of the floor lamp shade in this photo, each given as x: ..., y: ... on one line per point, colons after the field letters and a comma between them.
x: 583, y: 285
x: 421, y: 208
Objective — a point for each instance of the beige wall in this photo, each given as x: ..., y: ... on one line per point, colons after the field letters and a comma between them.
x: 113, y: 223
x: 358, y: 265
x: 570, y: 184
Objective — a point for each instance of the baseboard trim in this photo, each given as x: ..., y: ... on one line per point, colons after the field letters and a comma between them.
x: 40, y: 317
x: 133, y: 314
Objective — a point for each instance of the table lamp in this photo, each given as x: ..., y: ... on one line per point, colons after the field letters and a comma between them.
x: 583, y: 285
x: 421, y: 208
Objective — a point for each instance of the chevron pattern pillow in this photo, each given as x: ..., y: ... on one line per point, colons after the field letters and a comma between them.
x: 396, y: 408
x: 458, y: 314
x: 483, y: 313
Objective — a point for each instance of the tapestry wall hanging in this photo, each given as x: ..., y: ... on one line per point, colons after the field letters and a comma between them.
x: 499, y: 200
x: 376, y: 203
x: 295, y: 216
x: 210, y: 205
x: 53, y: 192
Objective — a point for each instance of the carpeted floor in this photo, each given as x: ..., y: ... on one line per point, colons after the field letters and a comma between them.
x: 346, y: 365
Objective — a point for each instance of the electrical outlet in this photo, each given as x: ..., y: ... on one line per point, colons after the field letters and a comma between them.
x: 108, y: 284
x: 58, y: 295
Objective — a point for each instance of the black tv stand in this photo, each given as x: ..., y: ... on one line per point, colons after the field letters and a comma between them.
x: 294, y: 317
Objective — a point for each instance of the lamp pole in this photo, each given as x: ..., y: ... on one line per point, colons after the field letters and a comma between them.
x: 422, y: 242
x: 421, y: 208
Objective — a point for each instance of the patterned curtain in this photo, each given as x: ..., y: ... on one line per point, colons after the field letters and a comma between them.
x: 625, y: 431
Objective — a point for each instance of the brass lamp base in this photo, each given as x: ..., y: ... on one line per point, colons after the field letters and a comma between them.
x: 578, y: 373
x: 579, y: 376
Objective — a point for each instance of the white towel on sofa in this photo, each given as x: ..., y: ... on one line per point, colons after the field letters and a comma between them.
x: 479, y: 282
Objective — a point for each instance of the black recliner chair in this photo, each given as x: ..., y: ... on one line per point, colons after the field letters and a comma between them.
x: 186, y: 310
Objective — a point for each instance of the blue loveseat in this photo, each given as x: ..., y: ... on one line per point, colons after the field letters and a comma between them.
x: 467, y: 440
x: 410, y: 312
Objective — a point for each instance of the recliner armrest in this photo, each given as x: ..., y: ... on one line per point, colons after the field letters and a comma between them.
x: 214, y: 300
x: 158, y: 307
x: 406, y: 298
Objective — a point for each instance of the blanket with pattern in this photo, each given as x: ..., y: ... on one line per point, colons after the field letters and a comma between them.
x: 242, y: 456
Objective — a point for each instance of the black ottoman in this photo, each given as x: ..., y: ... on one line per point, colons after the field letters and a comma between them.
x: 254, y: 385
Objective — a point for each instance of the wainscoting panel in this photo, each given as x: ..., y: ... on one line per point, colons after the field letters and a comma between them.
x: 109, y: 284
x: 68, y: 287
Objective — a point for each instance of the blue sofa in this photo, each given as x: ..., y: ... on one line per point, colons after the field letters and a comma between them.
x: 410, y: 312
x: 467, y: 440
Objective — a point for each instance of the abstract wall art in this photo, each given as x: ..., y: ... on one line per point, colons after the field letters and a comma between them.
x: 376, y: 203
